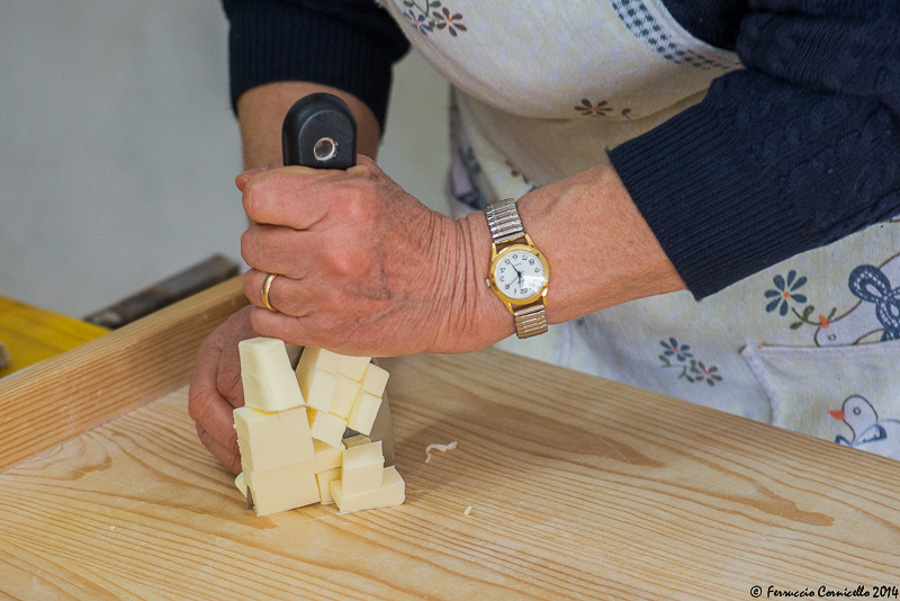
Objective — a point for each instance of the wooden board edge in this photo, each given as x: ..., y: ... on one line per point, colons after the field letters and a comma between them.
x: 67, y: 395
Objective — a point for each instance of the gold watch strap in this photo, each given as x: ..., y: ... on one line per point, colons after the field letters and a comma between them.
x: 506, y: 226
x: 530, y: 320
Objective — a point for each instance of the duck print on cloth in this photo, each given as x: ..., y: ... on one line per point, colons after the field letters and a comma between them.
x: 868, y: 433
x: 856, y: 357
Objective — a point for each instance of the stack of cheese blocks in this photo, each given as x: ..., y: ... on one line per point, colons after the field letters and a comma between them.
x: 290, y: 430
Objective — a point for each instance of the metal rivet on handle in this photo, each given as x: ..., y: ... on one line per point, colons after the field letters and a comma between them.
x: 325, y: 149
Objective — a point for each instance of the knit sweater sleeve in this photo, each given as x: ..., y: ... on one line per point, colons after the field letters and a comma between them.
x: 798, y: 150
x: 347, y: 44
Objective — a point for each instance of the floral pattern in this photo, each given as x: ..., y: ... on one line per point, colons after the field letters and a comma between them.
x: 681, y: 358
x: 785, y: 293
x: 600, y: 109
x: 785, y: 298
x: 418, y: 21
x: 450, y: 21
x: 431, y: 15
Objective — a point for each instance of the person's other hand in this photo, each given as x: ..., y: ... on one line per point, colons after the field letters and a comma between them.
x: 216, y: 389
x: 364, y: 268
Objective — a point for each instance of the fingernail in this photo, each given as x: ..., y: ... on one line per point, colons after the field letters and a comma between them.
x: 255, y: 171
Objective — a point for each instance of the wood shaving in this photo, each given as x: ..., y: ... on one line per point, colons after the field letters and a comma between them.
x: 443, y: 448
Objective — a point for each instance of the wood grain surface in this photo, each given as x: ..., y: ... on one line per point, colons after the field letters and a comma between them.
x: 579, y: 489
x: 65, y: 395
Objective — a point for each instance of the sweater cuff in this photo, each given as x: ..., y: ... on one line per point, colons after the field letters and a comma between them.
x: 719, y: 205
x: 287, y: 42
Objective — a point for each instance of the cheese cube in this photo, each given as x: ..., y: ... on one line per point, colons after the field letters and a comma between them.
x: 324, y: 480
x: 345, y: 392
x: 269, y: 381
x: 362, y: 415
x: 327, y: 457
x: 326, y: 427
x: 356, y: 439
x: 270, y: 440
x: 316, y: 358
x: 282, y: 488
x: 317, y: 387
x: 353, y: 367
x: 391, y: 492
x: 363, y: 468
x: 375, y: 380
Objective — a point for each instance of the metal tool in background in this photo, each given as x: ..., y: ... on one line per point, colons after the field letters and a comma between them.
x: 319, y: 131
x: 194, y: 279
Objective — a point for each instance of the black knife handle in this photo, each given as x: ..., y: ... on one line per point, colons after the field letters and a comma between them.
x: 319, y: 131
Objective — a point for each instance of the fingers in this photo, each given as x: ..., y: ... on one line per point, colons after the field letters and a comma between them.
x: 281, y: 250
x: 294, y: 298
x: 300, y: 197
x: 226, y: 455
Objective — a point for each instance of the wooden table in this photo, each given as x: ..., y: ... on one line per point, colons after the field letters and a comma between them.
x: 579, y: 488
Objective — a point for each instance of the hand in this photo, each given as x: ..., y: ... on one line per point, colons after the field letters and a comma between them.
x: 364, y: 268
x: 216, y: 389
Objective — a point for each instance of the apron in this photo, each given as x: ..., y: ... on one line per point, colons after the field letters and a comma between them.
x: 540, y: 90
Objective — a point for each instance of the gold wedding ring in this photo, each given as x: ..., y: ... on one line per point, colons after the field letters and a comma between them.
x: 265, y: 291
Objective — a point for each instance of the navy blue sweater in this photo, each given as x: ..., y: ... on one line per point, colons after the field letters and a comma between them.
x: 797, y: 150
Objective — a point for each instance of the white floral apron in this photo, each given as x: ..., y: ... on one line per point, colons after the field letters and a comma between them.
x: 540, y: 91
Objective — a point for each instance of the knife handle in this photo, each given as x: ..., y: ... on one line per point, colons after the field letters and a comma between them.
x: 319, y: 131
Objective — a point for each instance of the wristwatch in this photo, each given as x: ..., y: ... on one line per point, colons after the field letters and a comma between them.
x: 519, y: 273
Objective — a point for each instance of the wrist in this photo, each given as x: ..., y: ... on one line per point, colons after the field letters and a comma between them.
x: 477, y: 311
x: 600, y: 249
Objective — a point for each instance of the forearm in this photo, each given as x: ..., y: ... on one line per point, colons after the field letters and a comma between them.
x: 261, y: 111
x: 601, y: 251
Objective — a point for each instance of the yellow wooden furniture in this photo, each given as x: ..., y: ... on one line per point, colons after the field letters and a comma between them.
x: 581, y: 489
x: 33, y: 334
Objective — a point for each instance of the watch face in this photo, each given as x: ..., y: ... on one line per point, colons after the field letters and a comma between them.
x: 520, y: 274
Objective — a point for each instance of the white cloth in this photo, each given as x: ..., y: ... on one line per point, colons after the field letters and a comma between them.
x: 541, y: 90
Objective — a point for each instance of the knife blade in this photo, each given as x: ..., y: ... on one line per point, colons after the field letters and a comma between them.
x: 319, y: 131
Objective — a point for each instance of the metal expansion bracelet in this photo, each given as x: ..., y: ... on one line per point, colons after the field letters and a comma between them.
x: 506, y: 225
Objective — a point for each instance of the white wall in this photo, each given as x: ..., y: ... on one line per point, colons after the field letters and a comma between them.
x: 118, y: 147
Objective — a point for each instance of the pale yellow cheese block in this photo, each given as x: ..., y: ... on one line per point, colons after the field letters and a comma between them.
x: 317, y: 387
x: 272, y: 439
x: 375, y: 380
x: 282, y: 488
x: 327, y: 457
x: 363, y: 468
x: 345, y: 392
x: 353, y: 367
x: 326, y: 427
x: 324, y: 480
x: 356, y: 439
x: 269, y: 381
x: 391, y: 492
x: 316, y: 358
x: 362, y: 414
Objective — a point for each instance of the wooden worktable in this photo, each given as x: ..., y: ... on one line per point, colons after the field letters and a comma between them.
x: 579, y: 489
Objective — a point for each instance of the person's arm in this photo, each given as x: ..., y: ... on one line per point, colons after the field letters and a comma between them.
x: 796, y: 151
x: 280, y: 51
x: 261, y: 111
